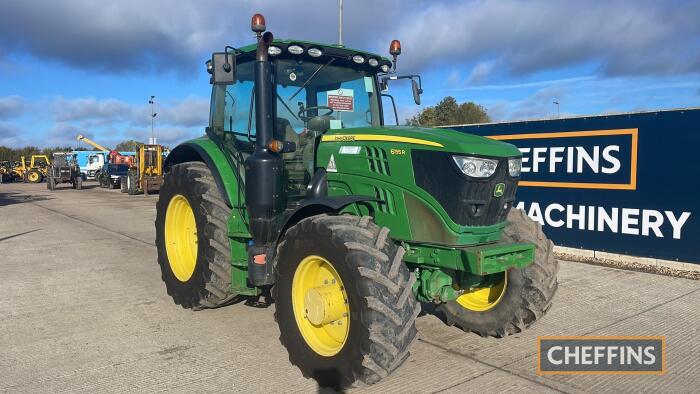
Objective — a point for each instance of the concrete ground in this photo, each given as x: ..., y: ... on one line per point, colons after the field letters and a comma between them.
x: 83, y: 309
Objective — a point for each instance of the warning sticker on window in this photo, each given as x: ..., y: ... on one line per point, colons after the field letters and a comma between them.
x: 342, y: 100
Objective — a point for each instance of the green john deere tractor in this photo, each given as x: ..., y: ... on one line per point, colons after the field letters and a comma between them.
x: 299, y: 191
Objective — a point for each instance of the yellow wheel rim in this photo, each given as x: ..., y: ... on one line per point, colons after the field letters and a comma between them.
x: 321, y: 307
x: 33, y: 176
x: 181, y: 237
x: 485, y: 298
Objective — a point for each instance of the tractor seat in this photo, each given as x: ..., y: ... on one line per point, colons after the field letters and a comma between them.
x: 285, y: 132
x: 296, y: 173
x: 320, y: 124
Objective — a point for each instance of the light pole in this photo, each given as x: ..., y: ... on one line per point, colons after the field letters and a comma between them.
x: 340, y: 23
x: 557, y: 103
x: 153, y: 117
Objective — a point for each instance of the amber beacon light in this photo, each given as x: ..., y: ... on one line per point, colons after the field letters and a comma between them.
x: 257, y: 24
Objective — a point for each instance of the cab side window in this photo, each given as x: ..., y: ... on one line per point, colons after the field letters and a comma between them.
x: 231, y: 109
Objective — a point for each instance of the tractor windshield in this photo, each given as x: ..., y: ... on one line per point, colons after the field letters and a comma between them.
x: 60, y: 160
x: 310, y: 98
x: 320, y: 96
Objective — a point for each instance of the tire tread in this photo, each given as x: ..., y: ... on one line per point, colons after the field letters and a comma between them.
x: 216, y: 288
x: 384, y: 283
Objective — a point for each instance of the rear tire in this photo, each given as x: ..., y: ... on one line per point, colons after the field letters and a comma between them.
x: 209, y: 285
x: 528, y: 291
x: 378, y: 287
x: 132, y: 183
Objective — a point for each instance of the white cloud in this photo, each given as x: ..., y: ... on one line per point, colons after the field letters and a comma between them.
x: 539, y: 105
x: 190, y: 112
x: 624, y: 37
x: 92, y: 112
x: 11, y: 106
x: 481, y: 72
x: 109, y: 120
x: 525, y: 85
x: 7, y: 130
x: 511, y: 37
x: 90, y: 109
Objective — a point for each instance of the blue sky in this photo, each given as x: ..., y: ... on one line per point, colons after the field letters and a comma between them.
x: 69, y: 67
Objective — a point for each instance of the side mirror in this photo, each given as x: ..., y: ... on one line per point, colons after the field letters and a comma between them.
x: 416, y: 91
x: 222, y: 68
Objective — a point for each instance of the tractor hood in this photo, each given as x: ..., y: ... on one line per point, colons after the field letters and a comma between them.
x: 427, y: 138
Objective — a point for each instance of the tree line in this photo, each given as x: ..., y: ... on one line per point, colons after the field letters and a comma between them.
x: 449, y: 112
x: 15, y: 154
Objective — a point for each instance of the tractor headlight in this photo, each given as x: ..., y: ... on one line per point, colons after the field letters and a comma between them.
x: 359, y: 59
x: 295, y: 49
x: 314, y: 52
x: 273, y: 50
x: 373, y: 62
x: 514, y: 166
x: 475, y: 166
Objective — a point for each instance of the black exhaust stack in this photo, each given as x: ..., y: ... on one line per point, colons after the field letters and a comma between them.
x: 264, y: 170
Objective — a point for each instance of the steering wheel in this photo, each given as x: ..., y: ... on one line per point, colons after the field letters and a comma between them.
x: 307, y: 109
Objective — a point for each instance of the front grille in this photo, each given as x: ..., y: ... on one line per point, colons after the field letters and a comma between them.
x: 468, y: 201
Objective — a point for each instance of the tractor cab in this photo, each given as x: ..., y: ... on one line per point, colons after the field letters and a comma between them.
x: 315, y: 88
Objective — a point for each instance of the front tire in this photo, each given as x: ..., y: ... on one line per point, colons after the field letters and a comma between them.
x: 195, y: 263
x: 79, y: 183
x: 370, y: 298
x: 519, y: 297
x: 34, y: 176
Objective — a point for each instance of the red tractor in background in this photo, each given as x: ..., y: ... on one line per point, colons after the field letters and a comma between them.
x: 117, y: 158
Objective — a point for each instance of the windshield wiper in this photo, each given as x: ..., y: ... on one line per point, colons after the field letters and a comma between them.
x: 310, y: 79
x: 286, y: 106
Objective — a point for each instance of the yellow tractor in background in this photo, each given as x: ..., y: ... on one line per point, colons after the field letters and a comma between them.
x: 146, y: 175
x: 35, y: 172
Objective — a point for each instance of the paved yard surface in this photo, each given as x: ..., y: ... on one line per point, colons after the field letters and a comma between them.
x: 83, y: 309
